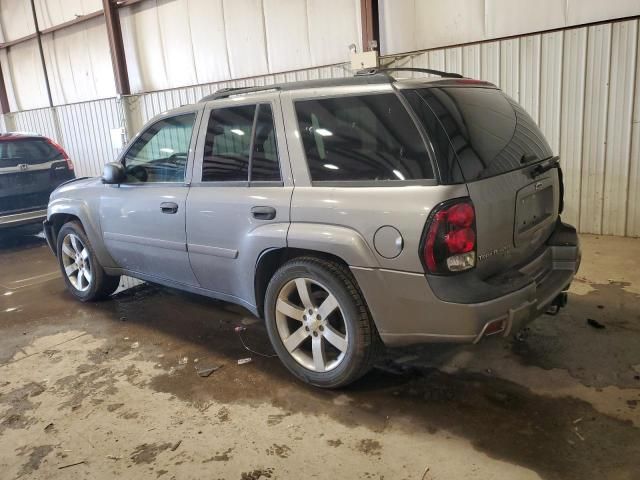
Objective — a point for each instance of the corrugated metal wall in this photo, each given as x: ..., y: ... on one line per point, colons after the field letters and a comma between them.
x: 582, y: 86
x: 157, y: 102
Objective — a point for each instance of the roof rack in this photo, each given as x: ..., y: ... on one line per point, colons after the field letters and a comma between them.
x: 229, y: 91
x: 440, y: 73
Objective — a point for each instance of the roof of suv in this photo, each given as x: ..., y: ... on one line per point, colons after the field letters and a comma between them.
x: 372, y: 77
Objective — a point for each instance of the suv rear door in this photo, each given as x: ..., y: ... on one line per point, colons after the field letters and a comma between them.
x: 31, y: 168
x: 240, y: 197
x: 484, y: 138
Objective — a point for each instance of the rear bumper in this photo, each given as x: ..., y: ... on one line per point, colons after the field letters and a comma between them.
x: 23, y: 218
x: 406, y: 309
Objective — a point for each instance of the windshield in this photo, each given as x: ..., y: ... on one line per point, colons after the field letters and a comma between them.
x: 477, y: 132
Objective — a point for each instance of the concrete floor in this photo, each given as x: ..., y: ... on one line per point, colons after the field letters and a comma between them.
x: 114, y: 385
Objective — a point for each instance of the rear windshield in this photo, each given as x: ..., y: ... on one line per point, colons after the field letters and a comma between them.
x: 31, y: 152
x: 361, y: 138
x: 477, y: 132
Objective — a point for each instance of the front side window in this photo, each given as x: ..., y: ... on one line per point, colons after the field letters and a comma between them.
x: 161, y: 152
x: 229, y: 151
x: 364, y: 137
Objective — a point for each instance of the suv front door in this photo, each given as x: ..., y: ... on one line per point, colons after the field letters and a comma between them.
x: 143, y: 219
x: 240, y: 197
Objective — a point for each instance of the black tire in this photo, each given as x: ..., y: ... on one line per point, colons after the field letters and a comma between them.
x: 363, y: 342
x: 101, y: 285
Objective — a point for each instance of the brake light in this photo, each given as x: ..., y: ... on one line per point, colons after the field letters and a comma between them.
x: 450, y: 240
x: 62, y: 152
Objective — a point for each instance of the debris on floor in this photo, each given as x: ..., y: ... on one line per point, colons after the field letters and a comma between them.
x: 183, y: 361
x: 206, y: 371
x: 242, y: 361
x: 595, y: 324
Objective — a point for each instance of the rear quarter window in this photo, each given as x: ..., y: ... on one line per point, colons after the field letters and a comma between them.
x: 31, y: 152
x: 488, y: 131
x: 361, y: 138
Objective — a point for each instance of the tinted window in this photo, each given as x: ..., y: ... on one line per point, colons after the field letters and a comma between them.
x: 264, y: 163
x: 228, y: 144
x: 367, y: 137
x: 30, y: 152
x: 161, y: 152
x: 490, y: 133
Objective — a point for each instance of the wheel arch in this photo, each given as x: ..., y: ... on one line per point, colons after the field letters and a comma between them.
x: 61, y: 213
x: 271, y: 260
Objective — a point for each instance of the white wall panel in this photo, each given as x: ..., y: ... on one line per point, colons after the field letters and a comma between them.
x: 246, y: 39
x: 288, y: 33
x: 490, y: 62
x: 471, y: 64
x: 529, y: 90
x: 595, y: 128
x: 55, y: 12
x: 85, y: 131
x: 16, y: 19
x: 515, y: 17
x: 23, y: 72
x: 174, y: 43
x: 587, y: 11
x: 574, y: 71
x: 412, y: 25
x: 333, y: 26
x: 441, y: 23
x: 41, y: 121
x: 510, y: 67
x: 79, y: 63
x: 210, y: 52
x: 551, y: 87
x: 618, y: 146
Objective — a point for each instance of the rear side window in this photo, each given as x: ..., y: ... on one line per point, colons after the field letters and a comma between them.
x: 229, y: 150
x: 228, y: 144
x: 364, y: 137
x: 31, y: 152
x: 490, y: 133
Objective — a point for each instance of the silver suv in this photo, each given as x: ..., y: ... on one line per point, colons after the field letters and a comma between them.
x: 347, y: 213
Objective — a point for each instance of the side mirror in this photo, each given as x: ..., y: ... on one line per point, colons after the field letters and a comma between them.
x: 113, y: 173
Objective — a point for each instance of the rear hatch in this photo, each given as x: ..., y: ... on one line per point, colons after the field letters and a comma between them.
x: 485, y: 139
x: 30, y: 169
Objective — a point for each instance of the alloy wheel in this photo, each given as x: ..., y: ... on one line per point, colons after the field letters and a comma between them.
x: 311, y: 324
x: 76, y: 262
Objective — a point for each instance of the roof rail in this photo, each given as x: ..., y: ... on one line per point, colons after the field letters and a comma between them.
x: 229, y: 91
x: 440, y: 73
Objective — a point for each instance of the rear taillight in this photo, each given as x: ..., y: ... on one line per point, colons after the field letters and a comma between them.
x: 62, y: 152
x: 449, y: 243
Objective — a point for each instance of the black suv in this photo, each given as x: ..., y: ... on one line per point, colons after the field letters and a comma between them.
x: 31, y: 167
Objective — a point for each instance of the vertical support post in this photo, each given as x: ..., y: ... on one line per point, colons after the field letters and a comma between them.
x: 4, y: 100
x: 116, y: 46
x: 39, y: 40
x: 369, y: 22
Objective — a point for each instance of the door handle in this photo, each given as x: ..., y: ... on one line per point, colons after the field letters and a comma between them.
x: 263, y: 213
x: 169, y: 207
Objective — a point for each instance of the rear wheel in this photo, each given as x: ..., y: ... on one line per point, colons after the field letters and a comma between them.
x: 318, y: 322
x: 84, y: 276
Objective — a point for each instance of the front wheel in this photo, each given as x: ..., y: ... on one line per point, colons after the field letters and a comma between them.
x: 318, y: 322
x: 84, y: 276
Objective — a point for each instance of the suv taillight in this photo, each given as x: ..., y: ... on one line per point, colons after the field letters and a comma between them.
x: 449, y: 243
x: 62, y: 152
